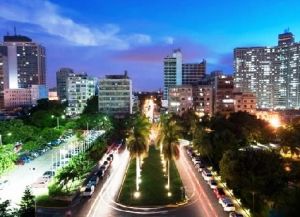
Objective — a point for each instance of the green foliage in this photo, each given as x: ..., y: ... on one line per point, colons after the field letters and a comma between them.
x: 27, y: 206
x: 288, y: 203
x: 253, y: 172
x: 290, y: 136
x: 168, y: 136
x: 5, y: 210
x: 137, y: 141
x: 92, y: 106
x: 7, y: 158
x: 70, y: 177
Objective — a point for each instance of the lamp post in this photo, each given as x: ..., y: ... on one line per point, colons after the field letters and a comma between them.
x: 57, y: 119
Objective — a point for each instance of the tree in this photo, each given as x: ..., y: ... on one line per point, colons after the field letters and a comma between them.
x: 168, y: 139
x: 256, y: 175
x: 91, y: 106
x: 5, y: 210
x: 288, y: 203
x: 27, y: 206
x: 137, y: 141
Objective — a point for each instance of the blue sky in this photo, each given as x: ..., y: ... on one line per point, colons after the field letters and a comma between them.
x: 104, y: 37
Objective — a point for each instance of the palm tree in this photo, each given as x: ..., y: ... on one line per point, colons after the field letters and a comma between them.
x: 137, y: 141
x: 168, y: 140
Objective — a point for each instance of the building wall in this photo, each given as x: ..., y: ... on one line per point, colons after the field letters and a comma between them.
x: 61, y: 82
x: 223, y: 95
x: 180, y: 99
x: 115, y: 95
x: 3, y: 74
x: 192, y: 73
x: 80, y: 88
x: 172, y: 71
x: 203, y: 99
x: 245, y: 102
x: 272, y: 73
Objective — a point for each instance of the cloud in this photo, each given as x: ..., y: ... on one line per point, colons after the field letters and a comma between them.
x: 47, y: 16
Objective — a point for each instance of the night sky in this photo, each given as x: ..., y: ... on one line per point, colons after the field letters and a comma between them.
x: 105, y: 37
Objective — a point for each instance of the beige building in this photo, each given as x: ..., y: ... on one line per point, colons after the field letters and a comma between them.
x: 245, y: 102
x: 180, y: 98
x: 203, y: 100
x: 115, y: 95
x: 223, y: 96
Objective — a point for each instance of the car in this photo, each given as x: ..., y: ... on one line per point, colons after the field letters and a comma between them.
x: 3, y: 184
x: 224, y: 200
x: 109, y: 158
x: 206, y: 174
x: 100, y: 173
x: 93, y: 180
x: 48, y: 174
x: 229, y: 207
x: 40, y: 183
x: 235, y: 214
x: 200, y: 167
x: 88, y: 191
x: 212, y: 184
x: 219, y: 192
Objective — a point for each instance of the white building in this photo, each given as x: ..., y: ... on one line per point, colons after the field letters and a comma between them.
x: 80, y: 88
x: 115, y: 95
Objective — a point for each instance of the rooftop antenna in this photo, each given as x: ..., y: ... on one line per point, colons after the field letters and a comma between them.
x: 287, y: 30
x: 15, y: 30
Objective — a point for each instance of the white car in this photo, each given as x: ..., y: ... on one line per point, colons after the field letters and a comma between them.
x: 88, y: 191
x: 206, y: 174
x: 229, y: 207
x: 212, y: 184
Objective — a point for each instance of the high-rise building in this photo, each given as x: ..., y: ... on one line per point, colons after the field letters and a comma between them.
x: 80, y: 88
x: 172, y: 71
x: 115, y: 95
x: 192, y: 73
x: 26, y: 62
x: 61, y: 82
x: 3, y: 74
x: 271, y: 73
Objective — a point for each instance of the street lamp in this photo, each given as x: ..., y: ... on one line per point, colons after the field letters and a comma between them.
x: 8, y: 134
x: 57, y: 119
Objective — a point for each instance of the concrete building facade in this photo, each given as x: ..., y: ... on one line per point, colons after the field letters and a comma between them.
x: 115, y: 95
x: 271, y: 73
x: 180, y: 99
x: 61, y: 82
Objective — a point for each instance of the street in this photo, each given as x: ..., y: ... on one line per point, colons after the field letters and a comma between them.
x: 201, y: 202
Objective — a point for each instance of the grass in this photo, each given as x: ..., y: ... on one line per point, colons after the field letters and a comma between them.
x: 152, y: 188
x: 47, y: 201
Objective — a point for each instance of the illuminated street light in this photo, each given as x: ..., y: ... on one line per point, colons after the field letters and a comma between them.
x: 136, y: 194
x: 57, y: 119
x: 169, y: 194
x: 275, y: 122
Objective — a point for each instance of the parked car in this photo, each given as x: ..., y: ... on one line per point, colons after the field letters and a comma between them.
x: 212, y: 184
x: 93, y: 180
x: 88, y: 191
x: 40, y: 183
x: 3, y: 184
x: 235, y: 214
x: 219, y: 192
x: 227, y: 204
x: 206, y: 174
x: 200, y: 167
x: 48, y: 174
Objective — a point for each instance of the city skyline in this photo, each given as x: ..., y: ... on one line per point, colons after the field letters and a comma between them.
x: 111, y: 37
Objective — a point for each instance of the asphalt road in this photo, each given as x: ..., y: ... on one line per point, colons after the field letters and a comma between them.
x: 201, y: 200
